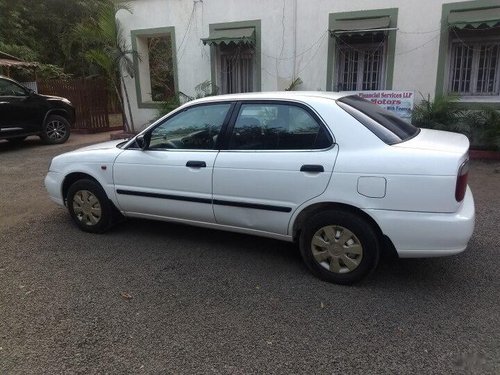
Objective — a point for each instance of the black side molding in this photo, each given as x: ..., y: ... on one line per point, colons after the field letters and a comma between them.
x: 257, y: 206
x: 312, y: 168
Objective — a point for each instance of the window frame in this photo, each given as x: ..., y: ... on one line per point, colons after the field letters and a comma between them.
x: 214, y: 60
x: 389, y: 58
x: 474, y: 67
x: 23, y: 88
x: 363, y: 47
x: 302, y: 105
x: 218, y: 57
x: 138, y: 62
x: 147, y: 133
x: 443, y: 66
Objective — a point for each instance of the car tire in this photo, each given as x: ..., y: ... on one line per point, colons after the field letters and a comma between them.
x: 56, y: 130
x: 89, y: 206
x: 339, y: 247
x: 16, y: 140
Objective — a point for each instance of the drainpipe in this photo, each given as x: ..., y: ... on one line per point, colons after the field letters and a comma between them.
x: 294, y: 40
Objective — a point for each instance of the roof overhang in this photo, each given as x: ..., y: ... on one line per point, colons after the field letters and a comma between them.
x: 10, y: 63
x: 9, y: 60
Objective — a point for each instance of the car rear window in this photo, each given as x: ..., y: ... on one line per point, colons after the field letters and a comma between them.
x: 384, y: 124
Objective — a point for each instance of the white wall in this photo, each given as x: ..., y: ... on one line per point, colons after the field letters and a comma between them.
x: 417, y: 40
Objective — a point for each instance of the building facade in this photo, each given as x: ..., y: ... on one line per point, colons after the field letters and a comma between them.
x: 432, y: 47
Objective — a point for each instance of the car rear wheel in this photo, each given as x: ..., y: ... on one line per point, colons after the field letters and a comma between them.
x: 55, y: 130
x: 339, y: 247
x: 89, y: 206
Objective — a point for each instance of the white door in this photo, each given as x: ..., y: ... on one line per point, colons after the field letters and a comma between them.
x: 278, y: 156
x: 172, y: 177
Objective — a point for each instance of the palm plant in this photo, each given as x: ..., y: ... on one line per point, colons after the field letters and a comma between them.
x: 440, y: 113
x: 491, y: 124
x: 106, y: 48
x: 481, y: 126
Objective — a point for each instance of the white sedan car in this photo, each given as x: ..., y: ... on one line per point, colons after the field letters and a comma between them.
x: 340, y: 176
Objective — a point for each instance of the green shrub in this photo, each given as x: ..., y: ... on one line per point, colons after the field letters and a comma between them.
x: 481, y: 126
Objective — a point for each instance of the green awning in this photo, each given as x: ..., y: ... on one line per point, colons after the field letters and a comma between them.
x: 362, y: 25
x: 474, y: 18
x: 225, y: 36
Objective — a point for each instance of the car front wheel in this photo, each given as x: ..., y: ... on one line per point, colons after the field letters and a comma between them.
x: 339, y: 247
x: 55, y: 130
x: 89, y: 206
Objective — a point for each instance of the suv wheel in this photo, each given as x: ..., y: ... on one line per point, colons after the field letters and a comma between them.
x: 339, y: 247
x: 55, y: 130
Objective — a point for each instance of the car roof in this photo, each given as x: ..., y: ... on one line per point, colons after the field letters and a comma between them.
x: 274, y: 95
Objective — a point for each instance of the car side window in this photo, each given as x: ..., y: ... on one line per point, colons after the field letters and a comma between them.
x: 8, y: 88
x: 194, y: 128
x: 277, y: 127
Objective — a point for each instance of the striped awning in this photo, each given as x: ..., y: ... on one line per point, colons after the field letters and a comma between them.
x: 244, y: 35
x: 474, y: 18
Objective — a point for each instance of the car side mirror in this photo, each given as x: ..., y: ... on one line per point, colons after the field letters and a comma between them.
x: 142, y: 140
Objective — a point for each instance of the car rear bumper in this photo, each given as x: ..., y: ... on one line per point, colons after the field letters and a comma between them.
x: 53, y: 186
x: 422, y: 234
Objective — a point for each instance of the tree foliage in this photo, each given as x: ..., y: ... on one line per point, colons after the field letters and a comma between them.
x: 38, y: 31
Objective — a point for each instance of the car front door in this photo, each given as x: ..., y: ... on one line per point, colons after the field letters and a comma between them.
x: 17, y: 112
x: 277, y: 156
x: 172, y: 176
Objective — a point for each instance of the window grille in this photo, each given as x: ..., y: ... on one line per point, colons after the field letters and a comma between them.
x: 475, y: 68
x: 360, y: 67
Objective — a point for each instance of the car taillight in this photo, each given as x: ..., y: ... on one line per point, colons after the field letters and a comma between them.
x: 461, y: 188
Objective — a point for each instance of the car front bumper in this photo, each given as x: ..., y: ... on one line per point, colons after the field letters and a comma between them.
x: 424, y: 234
x: 53, y: 185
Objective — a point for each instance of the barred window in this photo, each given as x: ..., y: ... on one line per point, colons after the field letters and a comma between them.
x: 474, y: 67
x: 236, y: 66
x: 360, y: 66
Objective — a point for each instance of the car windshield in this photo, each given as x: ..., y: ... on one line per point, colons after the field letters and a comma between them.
x: 384, y: 124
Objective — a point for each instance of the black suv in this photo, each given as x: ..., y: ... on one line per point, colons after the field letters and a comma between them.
x: 24, y: 112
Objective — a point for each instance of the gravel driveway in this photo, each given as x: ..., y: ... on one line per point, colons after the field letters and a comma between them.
x: 152, y: 297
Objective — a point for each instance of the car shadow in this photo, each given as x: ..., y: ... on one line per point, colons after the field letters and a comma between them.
x: 405, y: 273
x: 30, y: 142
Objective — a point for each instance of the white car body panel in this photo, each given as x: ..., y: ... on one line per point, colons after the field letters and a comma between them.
x: 246, y: 177
x: 165, y: 173
x: 407, y: 189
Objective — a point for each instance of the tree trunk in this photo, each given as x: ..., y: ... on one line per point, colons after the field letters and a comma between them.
x: 119, y: 96
x: 128, y: 104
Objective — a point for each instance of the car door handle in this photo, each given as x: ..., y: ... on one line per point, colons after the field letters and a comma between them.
x: 196, y: 164
x: 312, y: 168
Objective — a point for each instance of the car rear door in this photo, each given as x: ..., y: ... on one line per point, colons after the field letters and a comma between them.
x: 172, y: 177
x: 277, y: 156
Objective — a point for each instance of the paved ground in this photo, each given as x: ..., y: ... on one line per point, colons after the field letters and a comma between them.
x: 160, y: 298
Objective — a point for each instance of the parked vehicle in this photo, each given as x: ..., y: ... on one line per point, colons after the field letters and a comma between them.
x: 24, y: 112
x: 340, y: 176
